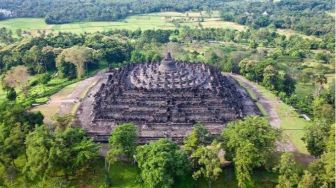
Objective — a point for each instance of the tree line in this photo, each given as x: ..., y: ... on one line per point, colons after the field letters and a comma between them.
x: 63, y: 11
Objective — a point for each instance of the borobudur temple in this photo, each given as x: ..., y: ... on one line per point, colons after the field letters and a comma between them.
x: 164, y: 99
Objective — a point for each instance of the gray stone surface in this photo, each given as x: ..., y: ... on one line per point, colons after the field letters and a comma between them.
x: 164, y: 99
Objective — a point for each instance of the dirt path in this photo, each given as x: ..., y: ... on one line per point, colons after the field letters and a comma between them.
x: 270, y: 106
x: 66, y: 100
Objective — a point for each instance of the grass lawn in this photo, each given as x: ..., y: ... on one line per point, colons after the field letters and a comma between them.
x: 24, y: 24
x: 304, y: 89
x: 291, y: 123
x: 259, y: 105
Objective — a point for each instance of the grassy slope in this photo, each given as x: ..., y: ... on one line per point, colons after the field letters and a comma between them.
x: 291, y: 124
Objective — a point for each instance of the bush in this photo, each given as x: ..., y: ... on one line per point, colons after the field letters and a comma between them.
x: 44, y: 78
x: 11, y: 94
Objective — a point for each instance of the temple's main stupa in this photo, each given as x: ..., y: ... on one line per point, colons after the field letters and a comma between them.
x: 164, y: 99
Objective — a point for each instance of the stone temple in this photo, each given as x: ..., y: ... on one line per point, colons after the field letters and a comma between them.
x: 164, y: 99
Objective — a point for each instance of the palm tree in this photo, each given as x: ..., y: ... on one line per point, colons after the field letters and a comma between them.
x: 320, y: 79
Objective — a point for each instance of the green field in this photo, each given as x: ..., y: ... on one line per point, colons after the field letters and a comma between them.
x: 161, y: 20
x: 147, y: 21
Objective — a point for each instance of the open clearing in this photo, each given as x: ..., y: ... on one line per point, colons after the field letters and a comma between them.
x: 66, y: 100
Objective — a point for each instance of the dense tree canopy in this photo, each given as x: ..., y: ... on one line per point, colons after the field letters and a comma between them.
x: 122, y: 142
x: 199, y: 136
x: 63, y: 11
x: 79, y: 56
x: 309, y: 16
x: 249, y: 143
x: 208, y: 164
x: 63, y: 152
x: 161, y: 162
x: 289, y: 173
x: 321, y: 172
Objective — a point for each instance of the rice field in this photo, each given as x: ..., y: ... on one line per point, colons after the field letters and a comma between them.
x: 161, y: 20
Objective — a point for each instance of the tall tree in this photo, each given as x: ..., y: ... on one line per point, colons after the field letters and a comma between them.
x: 270, y: 77
x: 79, y: 56
x: 63, y: 152
x: 308, y: 180
x: 15, y: 123
x: 321, y: 172
x: 249, y: 143
x: 62, y: 121
x: 244, y: 164
x: 18, y: 77
x: 320, y: 80
x: 38, y: 144
x: 199, y: 136
x: 11, y: 144
x: 208, y: 163
x: 315, y: 137
x: 11, y: 94
x: 289, y: 174
x: 161, y: 162
x: 122, y: 142
x: 322, y: 111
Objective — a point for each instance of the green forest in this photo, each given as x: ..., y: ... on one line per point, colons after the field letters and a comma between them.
x: 298, y: 70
